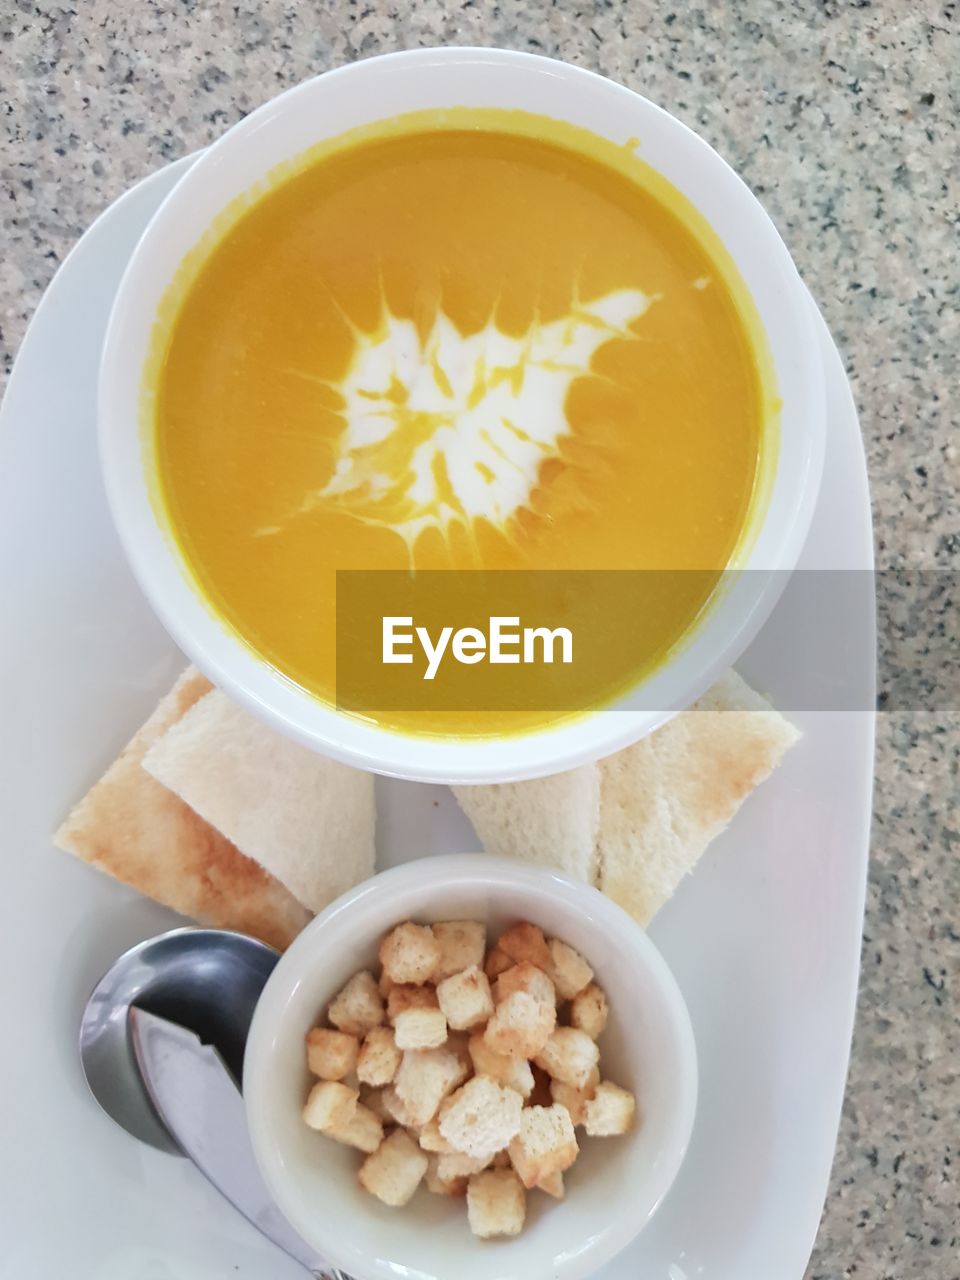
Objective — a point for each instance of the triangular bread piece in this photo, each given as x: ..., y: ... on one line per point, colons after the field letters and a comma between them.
x: 665, y: 798
x: 137, y: 831
x: 307, y: 819
x: 550, y: 821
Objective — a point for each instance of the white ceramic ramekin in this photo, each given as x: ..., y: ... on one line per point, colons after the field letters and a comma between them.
x: 382, y: 88
x: 616, y: 1183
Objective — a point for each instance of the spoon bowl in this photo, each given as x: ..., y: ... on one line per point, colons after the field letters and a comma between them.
x: 207, y: 980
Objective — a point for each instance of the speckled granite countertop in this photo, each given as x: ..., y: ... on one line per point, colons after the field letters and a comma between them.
x: 843, y: 118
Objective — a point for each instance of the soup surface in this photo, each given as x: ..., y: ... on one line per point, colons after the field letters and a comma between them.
x: 453, y: 348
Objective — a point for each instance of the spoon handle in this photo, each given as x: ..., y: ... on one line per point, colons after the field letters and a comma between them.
x: 201, y: 1106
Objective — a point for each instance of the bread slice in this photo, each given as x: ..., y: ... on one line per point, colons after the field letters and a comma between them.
x: 306, y: 819
x: 137, y: 831
x: 550, y: 821
x: 665, y: 798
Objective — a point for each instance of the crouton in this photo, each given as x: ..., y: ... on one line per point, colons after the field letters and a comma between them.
x: 481, y: 1117
x: 420, y: 1029
x: 456, y: 1186
x: 539, y: 1095
x: 588, y: 1011
x: 373, y: 1099
x: 525, y: 941
x: 465, y: 1054
x: 406, y: 996
x: 416, y: 1017
x: 462, y: 944
x: 395, y: 1169
x: 496, y: 962
x: 457, y: 1043
x: 395, y: 1108
x: 410, y: 953
x: 569, y: 1055
x: 465, y: 998
x: 610, y: 1111
x: 330, y: 1106
x: 358, y: 1007
x: 525, y: 977
x: 575, y: 1100
x: 496, y: 1203
x: 431, y: 1139
x: 545, y: 1144
x: 424, y: 1079
x: 552, y: 1184
x: 364, y: 1130
x: 568, y: 969
x: 521, y: 1025
x: 331, y: 1055
x: 514, y: 1073
x: 454, y: 1164
x: 379, y: 1057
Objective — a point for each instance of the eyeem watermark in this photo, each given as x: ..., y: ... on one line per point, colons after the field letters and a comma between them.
x: 442, y: 640
x: 504, y: 643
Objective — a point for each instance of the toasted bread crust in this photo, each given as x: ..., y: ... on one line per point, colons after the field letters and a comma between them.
x: 138, y: 832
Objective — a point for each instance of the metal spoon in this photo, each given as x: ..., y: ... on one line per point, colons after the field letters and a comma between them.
x: 206, y: 981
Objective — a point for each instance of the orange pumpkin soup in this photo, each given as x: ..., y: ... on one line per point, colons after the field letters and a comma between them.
x: 453, y: 347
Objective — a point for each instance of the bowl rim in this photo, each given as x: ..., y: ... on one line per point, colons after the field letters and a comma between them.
x: 464, y: 870
x: 268, y: 694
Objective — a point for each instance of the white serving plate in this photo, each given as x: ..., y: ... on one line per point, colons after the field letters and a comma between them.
x: 764, y: 940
